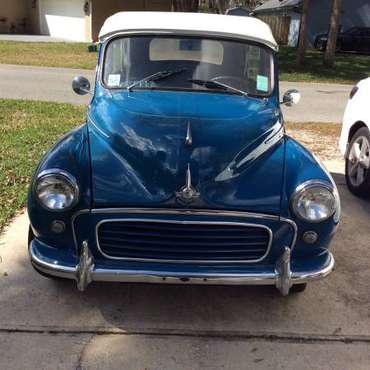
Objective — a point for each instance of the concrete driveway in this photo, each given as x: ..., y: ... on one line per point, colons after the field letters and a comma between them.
x: 46, y: 324
x: 320, y: 102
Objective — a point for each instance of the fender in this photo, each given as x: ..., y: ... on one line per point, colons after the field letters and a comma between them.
x: 70, y: 154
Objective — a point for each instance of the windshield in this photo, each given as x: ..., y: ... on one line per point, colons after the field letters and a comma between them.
x: 188, y: 63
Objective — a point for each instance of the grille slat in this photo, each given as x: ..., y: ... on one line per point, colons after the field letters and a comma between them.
x: 179, y: 250
x: 183, y: 241
x: 175, y: 235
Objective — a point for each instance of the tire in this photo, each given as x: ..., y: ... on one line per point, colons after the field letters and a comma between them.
x: 298, y: 288
x: 358, y: 163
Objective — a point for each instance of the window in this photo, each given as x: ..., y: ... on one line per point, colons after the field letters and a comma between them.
x: 241, y: 65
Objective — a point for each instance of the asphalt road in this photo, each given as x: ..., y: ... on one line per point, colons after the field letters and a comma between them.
x: 46, y: 324
x: 319, y: 103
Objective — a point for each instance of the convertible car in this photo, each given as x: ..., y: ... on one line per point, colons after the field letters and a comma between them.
x: 183, y: 172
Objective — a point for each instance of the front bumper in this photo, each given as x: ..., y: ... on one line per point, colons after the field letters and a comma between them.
x: 283, y: 275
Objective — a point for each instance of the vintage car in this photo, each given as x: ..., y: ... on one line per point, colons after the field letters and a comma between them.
x: 183, y: 172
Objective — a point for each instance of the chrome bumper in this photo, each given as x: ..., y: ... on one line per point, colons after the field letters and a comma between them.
x: 86, y: 271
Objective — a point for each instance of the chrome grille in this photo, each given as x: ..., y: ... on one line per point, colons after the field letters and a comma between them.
x: 183, y: 241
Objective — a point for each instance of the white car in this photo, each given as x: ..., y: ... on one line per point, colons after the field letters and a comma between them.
x: 354, y: 141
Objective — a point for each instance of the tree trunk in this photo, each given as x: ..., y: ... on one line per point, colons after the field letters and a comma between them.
x: 185, y: 5
x: 221, y: 4
x: 333, y: 34
x: 303, y: 33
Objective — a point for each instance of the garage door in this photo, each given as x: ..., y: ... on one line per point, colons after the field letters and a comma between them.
x: 63, y: 18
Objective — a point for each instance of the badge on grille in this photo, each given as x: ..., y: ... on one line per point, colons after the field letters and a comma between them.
x: 187, y: 193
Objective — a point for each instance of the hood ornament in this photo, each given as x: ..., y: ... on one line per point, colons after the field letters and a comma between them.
x: 189, y: 136
x: 187, y: 193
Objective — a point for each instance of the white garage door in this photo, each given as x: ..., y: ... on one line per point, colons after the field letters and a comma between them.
x: 63, y: 18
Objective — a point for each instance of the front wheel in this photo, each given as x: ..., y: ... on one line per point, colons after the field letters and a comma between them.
x: 358, y: 163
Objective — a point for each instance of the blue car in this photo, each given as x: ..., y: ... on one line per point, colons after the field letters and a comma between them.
x: 183, y: 172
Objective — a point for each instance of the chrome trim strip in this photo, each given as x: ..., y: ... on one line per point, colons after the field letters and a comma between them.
x: 73, y: 219
x: 295, y: 231
x: 166, y: 277
x: 177, y: 211
x: 189, y: 136
x: 159, y: 260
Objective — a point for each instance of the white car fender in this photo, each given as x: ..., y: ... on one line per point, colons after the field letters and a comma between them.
x: 357, y: 110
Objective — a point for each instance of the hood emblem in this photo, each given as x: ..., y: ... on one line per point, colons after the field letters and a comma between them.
x: 187, y: 193
x: 189, y: 136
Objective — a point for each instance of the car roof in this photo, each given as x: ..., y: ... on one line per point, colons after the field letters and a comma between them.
x: 192, y: 24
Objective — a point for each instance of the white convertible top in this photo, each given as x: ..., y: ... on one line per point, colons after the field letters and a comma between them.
x: 203, y: 24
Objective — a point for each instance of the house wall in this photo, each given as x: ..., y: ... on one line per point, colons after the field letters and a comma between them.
x: 13, y: 16
x: 101, y: 10
x: 354, y: 13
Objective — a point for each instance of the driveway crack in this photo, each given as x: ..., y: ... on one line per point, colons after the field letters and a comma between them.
x: 284, y: 337
x: 81, y: 356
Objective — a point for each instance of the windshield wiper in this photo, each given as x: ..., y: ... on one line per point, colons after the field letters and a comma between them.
x: 212, y: 84
x: 156, y: 77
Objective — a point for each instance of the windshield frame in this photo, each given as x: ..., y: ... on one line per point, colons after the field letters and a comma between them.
x: 108, y: 41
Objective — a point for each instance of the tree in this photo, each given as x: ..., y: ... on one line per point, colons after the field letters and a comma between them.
x: 185, y: 5
x: 221, y: 5
x: 303, y: 33
x: 333, y: 34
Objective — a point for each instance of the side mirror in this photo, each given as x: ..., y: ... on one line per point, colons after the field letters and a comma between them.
x: 291, y: 97
x: 81, y: 85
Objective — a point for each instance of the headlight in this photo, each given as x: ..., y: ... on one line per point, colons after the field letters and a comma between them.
x: 56, y: 190
x: 315, y: 201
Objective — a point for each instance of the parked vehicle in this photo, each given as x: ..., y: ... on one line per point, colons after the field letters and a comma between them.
x: 353, y: 39
x: 183, y: 172
x: 355, y: 139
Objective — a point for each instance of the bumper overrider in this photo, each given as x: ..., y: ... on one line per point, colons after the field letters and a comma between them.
x: 283, y: 275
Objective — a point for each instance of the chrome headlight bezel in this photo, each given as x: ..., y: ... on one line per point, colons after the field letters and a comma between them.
x: 309, y: 185
x: 65, y: 178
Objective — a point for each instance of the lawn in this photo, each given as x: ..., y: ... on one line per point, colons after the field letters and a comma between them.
x: 349, y: 69
x: 29, y: 129
x: 45, y: 54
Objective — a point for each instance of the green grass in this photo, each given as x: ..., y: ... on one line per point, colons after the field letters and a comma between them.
x: 45, y: 54
x: 27, y: 131
x: 349, y: 68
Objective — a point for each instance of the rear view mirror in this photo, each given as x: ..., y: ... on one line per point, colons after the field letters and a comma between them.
x: 291, y: 97
x: 81, y: 85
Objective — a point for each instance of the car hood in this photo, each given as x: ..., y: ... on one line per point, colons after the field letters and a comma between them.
x: 146, y: 145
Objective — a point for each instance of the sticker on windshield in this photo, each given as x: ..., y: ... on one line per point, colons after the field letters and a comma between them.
x: 114, y: 80
x: 262, y: 83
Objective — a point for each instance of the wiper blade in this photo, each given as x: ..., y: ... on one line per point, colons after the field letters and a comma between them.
x: 212, y: 84
x: 156, y: 77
